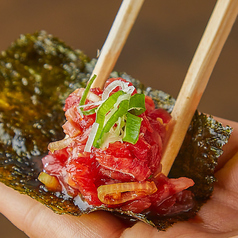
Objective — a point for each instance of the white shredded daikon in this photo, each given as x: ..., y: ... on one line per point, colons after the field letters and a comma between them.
x: 93, y: 97
x: 80, y: 112
x: 91, y: 137
x: 115, y: 134
x: 90, y: 96
x: 117, y: 83
x: 87, y: 105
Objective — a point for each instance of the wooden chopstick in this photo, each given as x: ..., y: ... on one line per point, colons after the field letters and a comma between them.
x: 115, y: 41
x: 205, y: 58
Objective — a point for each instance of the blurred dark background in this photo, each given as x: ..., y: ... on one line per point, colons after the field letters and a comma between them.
x: 158, y: 51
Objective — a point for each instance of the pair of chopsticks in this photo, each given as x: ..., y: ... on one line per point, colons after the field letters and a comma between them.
x: 201, y: 67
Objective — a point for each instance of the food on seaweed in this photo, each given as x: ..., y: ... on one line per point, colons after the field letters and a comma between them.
x: 40, y: 67
x: 112, y: 150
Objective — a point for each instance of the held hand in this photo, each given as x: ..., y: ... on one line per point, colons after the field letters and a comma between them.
x: 217, y: 218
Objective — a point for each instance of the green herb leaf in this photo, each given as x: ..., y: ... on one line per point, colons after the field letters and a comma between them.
x: 101, y: 113
x: 137, y: 104
x: 122, y: 110
x: 85, y: 93
x: 87, y: 112
x: 132, y: 129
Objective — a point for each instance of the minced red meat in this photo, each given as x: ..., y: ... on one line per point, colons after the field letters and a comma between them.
x: 121, y: 164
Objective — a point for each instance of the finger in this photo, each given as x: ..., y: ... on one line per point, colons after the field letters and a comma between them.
x: 140, y: 229
x: 36, y: 220
x: 220, y: 213
x: 180, y: 229
x: 228, y: 176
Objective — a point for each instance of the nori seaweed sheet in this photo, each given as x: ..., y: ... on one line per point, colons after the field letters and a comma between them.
x: 37, y: 73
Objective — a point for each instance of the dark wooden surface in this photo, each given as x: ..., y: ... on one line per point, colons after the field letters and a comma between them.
x: 158, y: 51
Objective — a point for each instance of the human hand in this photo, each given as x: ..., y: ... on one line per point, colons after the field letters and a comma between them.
x: 217, y: 218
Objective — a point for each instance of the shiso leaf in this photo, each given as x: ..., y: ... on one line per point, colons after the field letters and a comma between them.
x: 37, y: 73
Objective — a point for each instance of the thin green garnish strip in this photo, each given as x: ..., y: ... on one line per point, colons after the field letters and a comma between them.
x: 85, y: 93
x: 101, y: 113
x: 132, y: 128
x: 137, y: 104
x: 116, y: 118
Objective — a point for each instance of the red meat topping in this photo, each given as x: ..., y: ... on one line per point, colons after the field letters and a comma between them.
x: 122, y: 163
